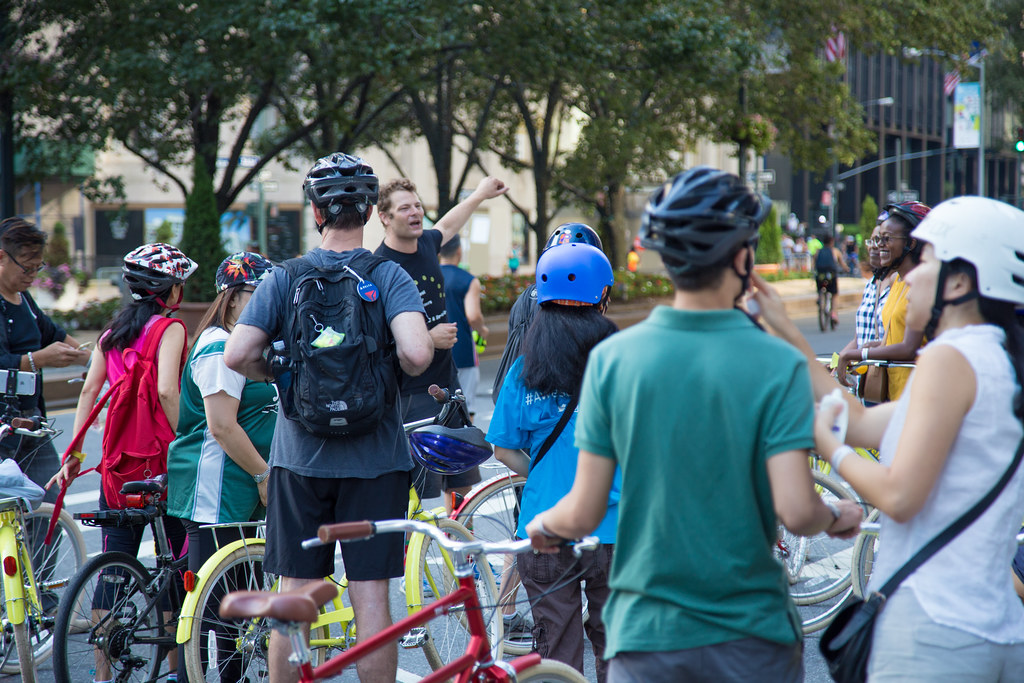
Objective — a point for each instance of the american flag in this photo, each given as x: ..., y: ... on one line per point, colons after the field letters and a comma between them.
x: 950, y: 82
x: 835, y: 47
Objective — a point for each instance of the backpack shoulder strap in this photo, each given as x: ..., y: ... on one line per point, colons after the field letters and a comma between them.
x: 152, y: 344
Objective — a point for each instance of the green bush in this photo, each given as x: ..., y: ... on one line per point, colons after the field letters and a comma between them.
x: 868, y: 218
x: 93, y: 315
x: 769, y: 247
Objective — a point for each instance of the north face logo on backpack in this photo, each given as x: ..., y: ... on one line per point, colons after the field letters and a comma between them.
x: 343, y: 374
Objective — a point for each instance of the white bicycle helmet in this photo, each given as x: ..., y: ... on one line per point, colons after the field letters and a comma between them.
x: 154, y: 268
x: 988, y: 234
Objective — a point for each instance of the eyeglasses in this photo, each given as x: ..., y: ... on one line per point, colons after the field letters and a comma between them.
x: 883, y: 240
x: 27, y: 271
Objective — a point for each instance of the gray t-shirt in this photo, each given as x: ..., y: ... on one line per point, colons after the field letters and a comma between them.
x: 293, y: 448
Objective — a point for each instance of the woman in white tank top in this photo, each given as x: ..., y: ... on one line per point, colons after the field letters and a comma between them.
x: 943, y: 445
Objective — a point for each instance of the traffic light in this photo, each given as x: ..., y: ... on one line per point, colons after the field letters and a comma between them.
x: 1020, y: 139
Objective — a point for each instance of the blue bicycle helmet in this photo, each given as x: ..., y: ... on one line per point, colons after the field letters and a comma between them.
x: 448, y: 450
x: 573, y: 233
x: 573, y: 273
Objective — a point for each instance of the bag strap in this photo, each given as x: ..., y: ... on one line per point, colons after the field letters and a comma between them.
x: 953, y: 529
x: 570, y: 408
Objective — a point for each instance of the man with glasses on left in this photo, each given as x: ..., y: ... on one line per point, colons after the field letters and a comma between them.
x: 29, y: 341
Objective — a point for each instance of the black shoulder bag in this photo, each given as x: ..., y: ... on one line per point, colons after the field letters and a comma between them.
x: 570, y: 408
x: 846, y: 643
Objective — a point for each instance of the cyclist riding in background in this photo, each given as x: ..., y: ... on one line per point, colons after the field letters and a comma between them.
x: 526, y: 306
x: 828, y: 263
x: 536, y: 407
x: 679, y: 609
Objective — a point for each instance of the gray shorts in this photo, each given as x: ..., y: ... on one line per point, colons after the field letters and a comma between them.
x: 749, y: 660
x: 909, y: 646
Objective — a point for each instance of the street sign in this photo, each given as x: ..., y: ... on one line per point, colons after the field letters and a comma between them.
x: 766, y: 177
x: 894, y: 197
x: 270, y: 186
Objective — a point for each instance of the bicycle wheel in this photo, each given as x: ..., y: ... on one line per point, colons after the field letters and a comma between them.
x: 491, y: 513
x: 227, y: 649
x: 110, y: 625
x: 822, y: 313
x: 53, y: 567
x: 428, y: 576
x: 864, y: 551
x: 550, y: 671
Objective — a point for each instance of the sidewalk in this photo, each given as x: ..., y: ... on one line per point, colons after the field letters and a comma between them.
x: 799, y: 296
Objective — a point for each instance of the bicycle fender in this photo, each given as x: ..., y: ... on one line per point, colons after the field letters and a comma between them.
x: 14, y: 586
x: 525, y: 662
x: 188, y: 607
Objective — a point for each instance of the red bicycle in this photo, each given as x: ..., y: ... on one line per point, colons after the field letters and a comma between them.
x: 289, y: 612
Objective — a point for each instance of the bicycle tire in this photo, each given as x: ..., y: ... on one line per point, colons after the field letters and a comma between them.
x: 242, y: 569
x: 550, y: 671
x: 491, y: 513
x: 822, y: 314
x: 864, y: 551
x: 24, y: 648
x: 134, y: 651
x: 64, y: 557
x: 829, y: 304
x: 428, y: 565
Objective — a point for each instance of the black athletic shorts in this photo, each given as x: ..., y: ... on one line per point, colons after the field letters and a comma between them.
x: 297, y: 507
x: 829, y: 280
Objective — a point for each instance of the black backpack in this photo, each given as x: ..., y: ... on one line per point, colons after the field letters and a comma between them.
x: 340, y: 348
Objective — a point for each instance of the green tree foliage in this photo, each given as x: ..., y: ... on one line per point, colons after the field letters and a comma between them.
x: 164, y: 232
x: 201, y: 236
x: 57, y: 251
x: 1004, y: 71
x: 769, y: 246
x: 868, y: 220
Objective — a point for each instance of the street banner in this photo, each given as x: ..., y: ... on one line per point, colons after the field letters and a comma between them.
x: 967, y: 116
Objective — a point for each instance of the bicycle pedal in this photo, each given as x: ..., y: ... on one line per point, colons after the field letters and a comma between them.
x: 415, y: 638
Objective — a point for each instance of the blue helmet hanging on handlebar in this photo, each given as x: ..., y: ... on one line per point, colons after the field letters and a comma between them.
x: 449, y: 450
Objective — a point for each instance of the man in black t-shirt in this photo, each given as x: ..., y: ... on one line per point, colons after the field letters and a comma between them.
x: 416, y: 250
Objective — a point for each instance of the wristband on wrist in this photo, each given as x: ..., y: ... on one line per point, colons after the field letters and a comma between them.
x: 77, y: 454
x: 839, y: 455
x: 31, y: 362
x: 864, y: 353
x: 262, y: 476
x: 542, y: 529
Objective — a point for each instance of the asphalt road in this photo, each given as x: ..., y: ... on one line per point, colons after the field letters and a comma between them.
x: 412, y: 664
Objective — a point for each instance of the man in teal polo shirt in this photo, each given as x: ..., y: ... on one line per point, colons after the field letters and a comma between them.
x: 710, y: 420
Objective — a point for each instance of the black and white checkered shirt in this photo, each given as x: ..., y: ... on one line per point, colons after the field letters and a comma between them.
x: 868, y: 309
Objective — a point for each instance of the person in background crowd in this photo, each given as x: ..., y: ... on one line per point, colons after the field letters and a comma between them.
x: 462, y: 295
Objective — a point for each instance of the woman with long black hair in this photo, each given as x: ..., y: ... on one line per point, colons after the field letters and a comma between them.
x: 573, y: 282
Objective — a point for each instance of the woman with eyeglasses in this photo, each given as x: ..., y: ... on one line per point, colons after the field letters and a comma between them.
x: 217, y: 468
x: 868, y: 329
x: 903, y: 252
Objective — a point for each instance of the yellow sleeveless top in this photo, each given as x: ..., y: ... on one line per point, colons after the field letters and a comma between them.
x: 894, y: 321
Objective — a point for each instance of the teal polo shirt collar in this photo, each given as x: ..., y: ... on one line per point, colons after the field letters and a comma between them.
x: 701, y: 321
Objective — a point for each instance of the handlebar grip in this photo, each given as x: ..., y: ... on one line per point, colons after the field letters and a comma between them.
x: 440, y: 395
x: 25, y: 422
x: 345, y: 531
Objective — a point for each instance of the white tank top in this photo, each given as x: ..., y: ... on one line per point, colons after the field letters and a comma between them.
x: 967, y: 584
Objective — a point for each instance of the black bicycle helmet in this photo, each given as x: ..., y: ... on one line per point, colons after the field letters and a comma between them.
x: 701, y: 217
x: 448, y: 450
x: 341, y: 181
x: 573, y: 233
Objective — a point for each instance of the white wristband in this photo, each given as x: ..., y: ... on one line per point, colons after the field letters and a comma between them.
x: 864, y: 353
x: 839, y: 455
x: 542, y: 529
x: 31, y: 362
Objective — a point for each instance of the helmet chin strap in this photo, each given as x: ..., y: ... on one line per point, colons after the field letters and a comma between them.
x: 171, y: 307
x: 941, y: 302
x: 744, y: 277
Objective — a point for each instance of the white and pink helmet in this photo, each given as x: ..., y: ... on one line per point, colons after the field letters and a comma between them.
x: 154, y: 268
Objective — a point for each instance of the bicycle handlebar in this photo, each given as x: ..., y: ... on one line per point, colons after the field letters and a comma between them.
x: 26, y: 426
x: 351, y: 531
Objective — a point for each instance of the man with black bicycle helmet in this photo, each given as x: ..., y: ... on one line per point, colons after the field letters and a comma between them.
x: 526, y: 306
x: 737, y: 467
x: 316, y: 479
